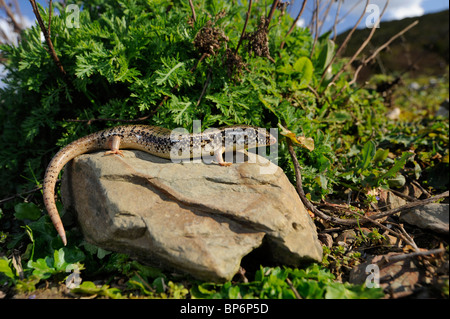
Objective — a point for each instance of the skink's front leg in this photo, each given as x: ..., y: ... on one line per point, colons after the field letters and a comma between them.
x: 114, y: 144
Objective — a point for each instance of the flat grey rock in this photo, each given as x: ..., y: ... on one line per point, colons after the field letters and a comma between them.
x: 432, y: 216
x: 190, y: 217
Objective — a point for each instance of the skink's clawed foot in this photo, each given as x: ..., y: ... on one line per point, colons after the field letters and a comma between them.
x: 114, y: 144
x: 225, y: 164
x: 219, y: 159
x: 118, y: 152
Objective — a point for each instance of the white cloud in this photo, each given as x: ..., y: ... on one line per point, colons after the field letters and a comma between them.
x: 397, y: 9
x: 301, y: 23
x: 404, y: 9
x: 7, y: 33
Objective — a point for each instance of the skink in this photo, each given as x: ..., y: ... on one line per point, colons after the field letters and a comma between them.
x: 155, y: 140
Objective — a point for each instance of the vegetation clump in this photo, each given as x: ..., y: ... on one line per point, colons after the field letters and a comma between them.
x: 167, y: 63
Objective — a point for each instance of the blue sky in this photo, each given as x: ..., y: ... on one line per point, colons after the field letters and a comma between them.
x: 397, y: 9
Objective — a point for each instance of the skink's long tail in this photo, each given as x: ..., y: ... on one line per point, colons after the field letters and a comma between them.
x: 61, y: 158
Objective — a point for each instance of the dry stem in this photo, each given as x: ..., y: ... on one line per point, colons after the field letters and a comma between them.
x: 355, y: 221
x: 245, y: 25
x: 46, y: 33
x: 294, y: 23
x: 194, y: 17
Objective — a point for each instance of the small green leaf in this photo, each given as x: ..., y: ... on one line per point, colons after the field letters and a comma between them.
x: 305, y: 69
x: 326, y: 54
x: 6, y: 269
x: 367, y: 154
x: 380, y: 155
x: 339, y: 117
x: 59, y: 262
x: 397, y: 181
x: 89, y: 288
x: 234, y: 292
x: 27, y: 211
x: 42, y: 268
x: 159, y: 284
x: 399, y: 164
x: 310, y: 289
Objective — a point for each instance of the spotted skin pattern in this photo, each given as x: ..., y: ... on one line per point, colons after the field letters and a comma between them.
x: 154, y: 140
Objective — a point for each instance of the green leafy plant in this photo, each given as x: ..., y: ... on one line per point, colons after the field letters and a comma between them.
x: 314, y: 282
x: 153, y: 63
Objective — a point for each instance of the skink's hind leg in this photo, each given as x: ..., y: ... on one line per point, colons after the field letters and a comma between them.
x: 218, y: 156
x: 114, y: 144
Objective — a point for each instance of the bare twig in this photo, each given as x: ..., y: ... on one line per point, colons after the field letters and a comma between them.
x: 294, y: 23
x: 379, y: 49
x: 336, y: 20
x: 362, y: 46
x: 245, y: 25
x: 421, y: 188
x: 208, y: 80
x: 301, y: 193
x: 327, y: 10
x: 353, y: 221
x: 316, y: 32
x: 272, y: 11
x: 16, y: 25
x: 348, y: 12
x: 49, y: 17
x: 410, y: 205
x: 48, y: 40
x: 403, y: 236
x: 396, y: 258
x: 144, y: 282
x: 410, y: 239
x: 194, y: 17
x: 344, y: 44
x: 7, y: 199
x: 400, y: 194
x: 297, y: 295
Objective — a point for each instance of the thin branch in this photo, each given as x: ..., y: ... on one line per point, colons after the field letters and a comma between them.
x: 194, y: 17
x: 408, y: 236
x: 316, y: 32
x: 396, y: 258
x: 363, y: 45
x: 48, y: 40
x: 208, y: 80
x: 294, y: 23
x: 344, y: 44
x: 245, y: 25
x: 348, y: 12
x: 49, y: 17
x: 403, y: 236
x: 352, y: 221
x: 336, y: 20
x: 301, y: 193
x: 381, y: 48
x: 325, y: 15
x: 294, y: 290
x: 355, y: 221
x: 272, y: 11
x: 7, y: 199
x: 16, y: 25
